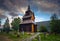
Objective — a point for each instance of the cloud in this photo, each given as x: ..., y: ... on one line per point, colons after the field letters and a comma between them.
x: 22, y: 10
x: 2, y: 15
x: 47, y: 5
x: 39, y: 19
x: 13, y: 14
x: 14, y: 7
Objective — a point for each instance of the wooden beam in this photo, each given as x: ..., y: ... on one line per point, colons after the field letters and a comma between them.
x: 32, y: 28
x: 32, y: 18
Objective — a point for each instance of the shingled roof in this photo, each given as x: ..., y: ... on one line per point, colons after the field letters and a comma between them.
x: 27, y: 21
x: 27, y: 16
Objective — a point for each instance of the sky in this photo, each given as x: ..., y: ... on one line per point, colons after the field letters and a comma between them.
x: 43, y: 9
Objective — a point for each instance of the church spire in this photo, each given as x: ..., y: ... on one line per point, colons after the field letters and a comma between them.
x: 28, y: 7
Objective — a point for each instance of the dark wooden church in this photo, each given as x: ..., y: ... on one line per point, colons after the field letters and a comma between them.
x: 28, y: 22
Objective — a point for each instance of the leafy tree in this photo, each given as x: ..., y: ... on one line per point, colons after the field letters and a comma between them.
x: 6, y: 26
x: 58, y: 26
x: 43, y: 29
x: 15, y: 23
x: 55, y: 27
x: 0, y: 21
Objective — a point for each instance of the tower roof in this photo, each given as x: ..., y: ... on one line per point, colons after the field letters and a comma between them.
x: 29, y: 9
x: 28, y: 13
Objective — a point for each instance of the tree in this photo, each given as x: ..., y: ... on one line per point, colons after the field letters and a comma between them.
x: 43, y: 29
x: 0, y: 25
x: 0, y: 22
x: 15, y: 23
x: 54, y: 24
x: 6, y: 26
x: 58, y: 26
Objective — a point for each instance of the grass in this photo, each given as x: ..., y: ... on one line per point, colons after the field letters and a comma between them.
x: 14, y: 37
x: 51, y: 37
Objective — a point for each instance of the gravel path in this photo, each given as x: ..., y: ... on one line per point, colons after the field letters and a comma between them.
x: 32, y: 37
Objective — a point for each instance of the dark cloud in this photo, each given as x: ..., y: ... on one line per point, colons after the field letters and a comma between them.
x: 13, y: 14
x: 54, y: 1
x: 2, y: 16
x: 13, y: 6
x: 47, y: 5
x: 2, y: 6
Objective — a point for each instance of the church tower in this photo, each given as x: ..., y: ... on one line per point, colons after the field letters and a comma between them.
x: 28, y: 22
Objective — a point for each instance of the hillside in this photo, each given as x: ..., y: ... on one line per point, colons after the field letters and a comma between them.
x: 44, y: 23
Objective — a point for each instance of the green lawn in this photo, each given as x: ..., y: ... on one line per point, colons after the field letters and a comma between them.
x: 51, y: 37
x: 13, y: 37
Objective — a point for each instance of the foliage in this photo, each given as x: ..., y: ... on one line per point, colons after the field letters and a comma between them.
x: 51, y: 37
x: 12, y: 36
x: 6, y: 26
x: 15, y: 23
x: 43, y: 29
x: 0, y: 21
x: 55, y: 24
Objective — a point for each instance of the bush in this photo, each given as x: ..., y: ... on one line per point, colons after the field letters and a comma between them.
x: 43, y: 29
x: 6, y: 29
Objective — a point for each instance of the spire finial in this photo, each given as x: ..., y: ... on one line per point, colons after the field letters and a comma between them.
x: 28, y: 7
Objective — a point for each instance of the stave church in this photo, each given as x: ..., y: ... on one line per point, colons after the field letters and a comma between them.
x: 28, y: 22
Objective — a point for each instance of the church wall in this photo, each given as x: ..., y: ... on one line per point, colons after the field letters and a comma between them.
x: 32, y: 27
x: 28, y: 22
x: 25, y: 27
x: 32, y: 18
